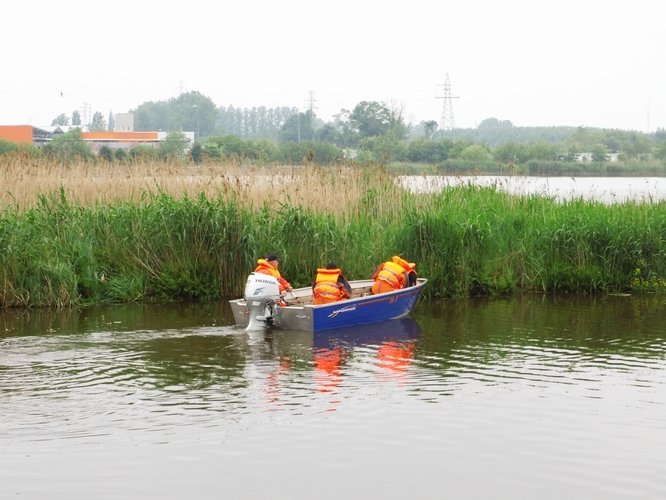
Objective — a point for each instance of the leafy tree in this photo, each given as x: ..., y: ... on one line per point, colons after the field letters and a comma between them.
x: 637, y: 146
x: 329, y: 133
x: 196, y: 153
x: 429, y: 128
x: 660, y: 135
x: 98, y: 123
x: 599, y: 152
x: 455, y: 148
x: 195, y: 111
x: 298, y: 128
x: 373, y: 119
x: 326, y: 153
x: 612, y: 139
x: 511, y: 152
x: 12, y: 147
x: 76, y: 118
x: 541, y: 151
x: 106, y: 153
x: 660, y: 151
x: 572, y: 152
x: 227, y: 147
x: 151, y: 116
x: 383, y: 149
x: 68, y: 145
x: 120, y: 154
x: 234, y: 148
x: 209, y: 150
x: 342, y: 123
x: 143, y: 152
x: 61, y: 119
x: 173, y: 146
x: 112, y: 122
x: 189, y: 111
x: 427, y: 151
x: 8, y: 146
x: 266, y: 151
x: 494, y: 123
x: 475, y: 152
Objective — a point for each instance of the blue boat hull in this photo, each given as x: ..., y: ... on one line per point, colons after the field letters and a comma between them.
x: 363, y: 308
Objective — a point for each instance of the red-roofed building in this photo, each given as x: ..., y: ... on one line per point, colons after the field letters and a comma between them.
x: 25, y: 134
x: 28, y: 134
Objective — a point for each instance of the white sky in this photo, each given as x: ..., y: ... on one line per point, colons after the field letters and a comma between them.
x: 588, y: 63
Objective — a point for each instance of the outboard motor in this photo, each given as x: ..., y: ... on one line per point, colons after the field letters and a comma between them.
x: 262, y: 292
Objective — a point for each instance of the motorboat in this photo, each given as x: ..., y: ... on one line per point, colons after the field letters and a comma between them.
x: 262, y: 306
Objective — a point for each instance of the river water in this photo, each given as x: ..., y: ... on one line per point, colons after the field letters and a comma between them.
x: 601, y: 189
x: 525, y: 397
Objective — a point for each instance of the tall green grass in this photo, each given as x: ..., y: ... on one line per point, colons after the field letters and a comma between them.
x: 467, y: 240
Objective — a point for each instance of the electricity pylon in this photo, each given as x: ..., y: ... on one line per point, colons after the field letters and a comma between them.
x: 448, y: 121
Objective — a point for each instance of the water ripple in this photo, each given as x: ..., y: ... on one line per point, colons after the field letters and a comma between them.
x: 553, y: 402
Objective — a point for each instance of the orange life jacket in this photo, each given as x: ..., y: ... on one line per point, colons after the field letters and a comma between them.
x: 393, y: 274
x: 407, y: 266
x: 326, y: 288
x: 264, y: 267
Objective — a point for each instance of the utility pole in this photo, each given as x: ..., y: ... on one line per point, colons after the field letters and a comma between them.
x: 448, y: 122
x: 311, y: 107
x: 198, y: 125
x: 196, y: 109
x: 311, y: 100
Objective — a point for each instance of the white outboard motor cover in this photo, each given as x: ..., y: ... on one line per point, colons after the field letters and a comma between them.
x: 261, y: 287
x: 261, y: 292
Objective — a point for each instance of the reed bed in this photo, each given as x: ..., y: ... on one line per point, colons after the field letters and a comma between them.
x: 79, y: 234
x: 24, y: 181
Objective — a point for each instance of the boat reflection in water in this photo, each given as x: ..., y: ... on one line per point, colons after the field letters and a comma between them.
x: 372, y: 334
x: 384, y: 349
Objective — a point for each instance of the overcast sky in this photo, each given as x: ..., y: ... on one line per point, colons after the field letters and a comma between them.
x: 535, y: 63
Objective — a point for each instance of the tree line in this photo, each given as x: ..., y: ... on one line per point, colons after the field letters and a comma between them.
x: 377, y: 132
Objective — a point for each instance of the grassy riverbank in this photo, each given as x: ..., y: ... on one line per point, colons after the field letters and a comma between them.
x: 76, y: 234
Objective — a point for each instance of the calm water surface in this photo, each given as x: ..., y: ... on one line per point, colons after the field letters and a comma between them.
x: 528, y: 397
x: 602, y: 189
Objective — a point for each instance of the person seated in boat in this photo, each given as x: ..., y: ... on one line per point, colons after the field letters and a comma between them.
x: 393, y: 275
x: 269, y: 266
x: 330, y: 285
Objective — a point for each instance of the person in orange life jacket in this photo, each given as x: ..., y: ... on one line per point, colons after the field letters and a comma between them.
x: 393, y: 275
x: 269, y: 266
x: 330, y: 285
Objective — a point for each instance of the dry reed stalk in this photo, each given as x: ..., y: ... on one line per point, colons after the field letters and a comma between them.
x: 331, y: 190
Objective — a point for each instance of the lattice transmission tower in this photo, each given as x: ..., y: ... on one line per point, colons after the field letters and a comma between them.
x: 311, y: 102
x: 448, y: 121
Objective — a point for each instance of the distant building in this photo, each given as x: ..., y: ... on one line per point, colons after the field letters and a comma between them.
x: 589, y: 157
x: 127, y: 140
x: 350, y: 154
x: 25, y: 134
x: 123, y: 122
